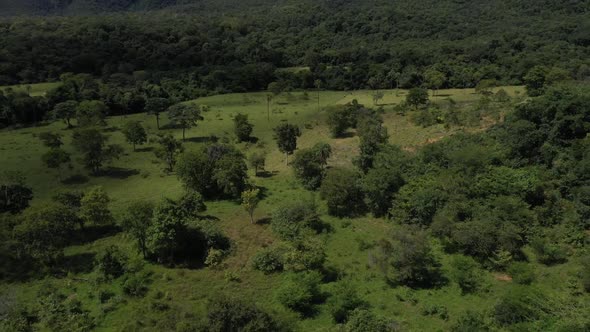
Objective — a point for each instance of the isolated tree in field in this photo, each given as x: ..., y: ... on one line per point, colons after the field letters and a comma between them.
x: 342, y: 117
x: 257, y: 161
x: 134, y: 133
x: 185, y: 116
x: 65, y: 111
x: 155, y: 106
x: 242, y: 128
x: 136, y: 222
x: 434, y: 80
x: 164, y: 235
x: 95, y: 152
x: 94, y: 207
x: 168, y: 150
x: 342, y: 191
x: 286, y: 136
x: 250, y: 200
x: 51, y: 140
x: 417, y: 97
x: 91, y: 113
x: 44, y: 232
x: 372, y: 136
x: 54, y: 158
x: 15, y: 195
x: 230, y: 174
x: 377, y: 95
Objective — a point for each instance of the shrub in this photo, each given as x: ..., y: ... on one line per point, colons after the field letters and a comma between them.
x: 227, y: 314
x: 268, y: 260
x: 111, y: 262
x: 436, y: 310
x: 547, y: 252
x: 520, y: 304
x: 466, y: 273
x: 300, y: 291
x: 306, y: 254
x: 215, y: 257
x: 343, y: 193
x: 343, y: 302
x: 291, y: 219
x: 471, y: 321
x: 522, y: 273
x: 363, y: 320
x: 136, y: 284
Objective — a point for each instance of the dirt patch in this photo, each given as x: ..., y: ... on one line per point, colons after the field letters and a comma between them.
x: 502, y: 277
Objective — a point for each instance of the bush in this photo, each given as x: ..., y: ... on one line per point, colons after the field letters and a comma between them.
x: 291, y: 219
x: 547, y: 252
x: 268, y: 260
x: 304, y: 255
x: 363, y: 320
x: 522, y: 273
x: 300, y: 291
x: 215, y: 257
x: 471, y: 321
x: 520, y: 304
x: 111, y: 263
x: 227, y: 314
x: 466, y: 273
x: 343, y: 302
x: 136, y: 284
x: 343, y: 193
x: 586, y: 273
x: 436, y: 310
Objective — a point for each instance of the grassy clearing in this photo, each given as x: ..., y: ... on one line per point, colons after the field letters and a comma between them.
x: 37, y: 89
x: 139, y: 176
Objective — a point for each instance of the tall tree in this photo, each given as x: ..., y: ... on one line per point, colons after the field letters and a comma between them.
x: 250, y: 200
x: 185, y: 116
x: 134, y: 133
x: 155, y: 106
x: 92, y: 144
x: 91, y: 113
x: 94, y: 207
x: 136, y: 222
x: 54, y: 158
x: 65, y: 111
x: 242, y: 128
x: 169, y: 150
x: 286, y: 136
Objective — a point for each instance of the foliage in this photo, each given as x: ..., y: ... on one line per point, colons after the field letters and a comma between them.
x: 91, y: 113
x: 372, y: 135
x: 15, y: 195
x: 185, y: 116
x: 155, y: 106
x: 343, y: 193
x: 471, y: 321
x: 342, y: 117
x: 522, y: 273
x: 242, y: 128
x: 94, y: 207
x: 417, y: 97
x: 290, y: 220
x: 363, y: 320
x: 257, y: 161
x: 343, y: 301
x: 134, y: 133
x: 521, y: 304
x: 137, y: 221
x: 384, y: 179
x: 250, y: 200
x: 164, y: 236
x: 65, y: 111
x: 465, y: 271
x: 50, y: 140
x: 286, y: 136
x: 309, y: 165
x: 111, y: 262
x: 406, y: 258
x: 55, y: 157
x: 269, y: 260
x: 168, y: 150
x: 229, y: 314
x: 92, y: 144
x: 300, y: 291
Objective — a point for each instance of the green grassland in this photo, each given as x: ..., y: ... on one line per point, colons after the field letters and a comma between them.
x: 37, y: 89
x: 138, y: 175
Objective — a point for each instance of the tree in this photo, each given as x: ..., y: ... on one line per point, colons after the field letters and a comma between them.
x: 65, y: 111
x: 225, y: 314
x: 111, y: 262
x: 169, y: 150
x: 300, y: 291
x: 242, y: 128
x: 372, y: 136
x: 363, y: 320
x: 91, y: 113
x: 15, y: 195
x: 92, y: 144
x: 185, y: 116
x: 136, y: 222
x: 535, y: 81
x: 344, y: 301
x: 293, y: 219
x: 94, y: 207
x: 257, y: 161
x: 434, y: 79
x: 286, y: 136
x: 230, y: 174
x: 406, y: 258
x: 164, y: 235
x: 155, y: 106
x: 377, y: 95
x: 134, y: 133
x: 51, y: 140
x: 44, y: 232
x: 417, y: 97
x: 250, y: 200
x: 55, y: 157
x: 465, y: 272
x: 309, y: 165
x: 342, y: 191
x: 380, y: 185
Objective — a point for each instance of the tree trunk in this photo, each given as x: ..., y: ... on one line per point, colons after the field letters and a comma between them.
x: 252, y: 217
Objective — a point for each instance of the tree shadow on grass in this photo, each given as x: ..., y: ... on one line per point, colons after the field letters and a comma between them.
x: 263, y: 221
x: 145, y: 149
x: 202, y: 139
x: 78, y: 263
x: 118, y: 172
x: 93, y: 233
x: 75, y: 179
x: 266, y: 174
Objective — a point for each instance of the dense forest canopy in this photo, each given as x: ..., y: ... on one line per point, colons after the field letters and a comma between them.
x: 345, y: 44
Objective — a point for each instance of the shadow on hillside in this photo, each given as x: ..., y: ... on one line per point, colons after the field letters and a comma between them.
x: 118, y: 172
x: 266, y: 174
x: 145, y: 149
x: 93, y: 233
x: 263, y: 221
x: 75, y: 179
x: 78, y: 263
x: 203, y: 139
